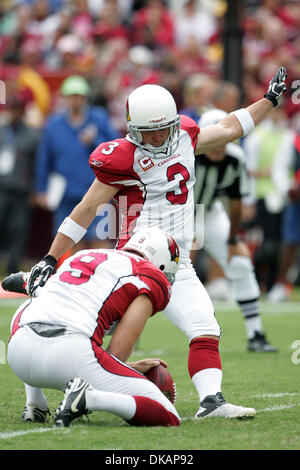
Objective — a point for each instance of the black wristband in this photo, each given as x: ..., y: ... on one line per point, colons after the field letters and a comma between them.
x: 272, y: 99
x: 233, y: 241
x: 51, y: 260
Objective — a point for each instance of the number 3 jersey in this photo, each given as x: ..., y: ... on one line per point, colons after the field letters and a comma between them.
x: 153, y: 190
x: 92, y: 290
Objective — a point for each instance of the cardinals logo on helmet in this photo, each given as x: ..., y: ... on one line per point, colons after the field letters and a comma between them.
x: 174, y: 250
x: 127, y: 112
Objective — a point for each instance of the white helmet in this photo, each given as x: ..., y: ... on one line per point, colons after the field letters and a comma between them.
x: 152, y: 107
x: 213, y: 116
x: 158, y: 247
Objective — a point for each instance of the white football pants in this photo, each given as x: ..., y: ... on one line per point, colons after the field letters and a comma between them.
x: 52, y: 362
x: 190, y: 307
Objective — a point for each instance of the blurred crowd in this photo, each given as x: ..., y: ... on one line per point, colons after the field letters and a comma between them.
x: 115, y: 46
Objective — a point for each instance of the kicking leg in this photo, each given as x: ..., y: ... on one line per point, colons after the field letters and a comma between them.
x: 197, y: 320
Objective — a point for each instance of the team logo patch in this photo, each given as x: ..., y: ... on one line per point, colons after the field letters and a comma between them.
x: 96, y: 162
x: 157, y: 120
x: 174, y: 250
x: 146, y: 163
x: 127, y: 112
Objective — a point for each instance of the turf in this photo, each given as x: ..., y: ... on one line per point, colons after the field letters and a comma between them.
x: 268, y: 382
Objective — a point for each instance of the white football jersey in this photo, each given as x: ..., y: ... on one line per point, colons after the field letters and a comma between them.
x: 92, y: 290
x: 153, y: 191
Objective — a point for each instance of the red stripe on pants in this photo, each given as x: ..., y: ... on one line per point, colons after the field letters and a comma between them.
x: 16, y: 325
x: 113, y: 365
x: 151, y: 413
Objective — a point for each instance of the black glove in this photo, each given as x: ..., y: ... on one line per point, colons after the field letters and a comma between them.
x: 43, y: 271
x: 276, y: 86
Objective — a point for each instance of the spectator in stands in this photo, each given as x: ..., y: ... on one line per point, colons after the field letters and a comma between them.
x: 110, y: 23
x: 67, y: 142
x: 193, y: 21
x: 139, y: 70
x: 227, y: 96
x: 67, y: 53
x: 82, y: 24
x: 153, y: 26
x: 29, y: 78
x: 43, y: 23
x: 18, y: 147
x: 198, y: 90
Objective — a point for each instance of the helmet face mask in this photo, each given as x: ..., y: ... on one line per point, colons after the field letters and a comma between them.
x: 152, y: 108
x: 159, y: 248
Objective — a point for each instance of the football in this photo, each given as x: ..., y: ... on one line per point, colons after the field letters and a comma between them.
x: 162, y: 378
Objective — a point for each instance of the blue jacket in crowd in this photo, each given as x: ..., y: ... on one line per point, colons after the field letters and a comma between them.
x: 61, y: 151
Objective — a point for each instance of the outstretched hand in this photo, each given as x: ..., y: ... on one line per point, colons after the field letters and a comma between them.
x: 277, y: 86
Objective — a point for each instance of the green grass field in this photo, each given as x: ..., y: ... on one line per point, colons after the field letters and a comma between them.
x: 268, y: 382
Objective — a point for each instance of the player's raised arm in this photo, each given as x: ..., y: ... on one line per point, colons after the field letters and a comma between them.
x: 242, y: 121
x: 71, y: 231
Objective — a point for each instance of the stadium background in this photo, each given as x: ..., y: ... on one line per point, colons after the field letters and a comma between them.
x: 243, y: 42
x: 118, y: 45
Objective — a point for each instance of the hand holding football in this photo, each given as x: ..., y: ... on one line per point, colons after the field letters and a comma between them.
x: 161, y: 377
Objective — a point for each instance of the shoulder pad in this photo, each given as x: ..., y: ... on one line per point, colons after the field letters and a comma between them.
x: 114, y: 155
x: 191, y: 127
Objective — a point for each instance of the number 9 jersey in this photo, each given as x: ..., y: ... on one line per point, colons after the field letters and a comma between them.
x: 154, y: 190
x: 92, y: 290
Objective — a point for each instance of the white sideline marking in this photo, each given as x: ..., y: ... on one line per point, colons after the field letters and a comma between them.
x: 8, y: 435
x: 278, y: 408
x: 276, y: 395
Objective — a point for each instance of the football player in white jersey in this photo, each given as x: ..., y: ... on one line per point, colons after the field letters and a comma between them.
x: 151, y: 175
x: 57, y: 337
x: 221, y: 173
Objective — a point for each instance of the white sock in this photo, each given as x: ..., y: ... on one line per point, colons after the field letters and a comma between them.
x: 36, y: 396
x: 252, y: 325
x: 207, y: 382
x: 115, y: 403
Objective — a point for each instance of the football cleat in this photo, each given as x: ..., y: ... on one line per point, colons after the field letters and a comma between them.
x: 259, y: 344
x: 16, y: 282
x: 214, y: 406
x: 74, y: 403
x: 34, y: 414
